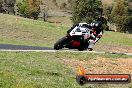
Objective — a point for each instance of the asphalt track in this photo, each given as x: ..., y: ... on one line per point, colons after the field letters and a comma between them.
x: 23, y: 48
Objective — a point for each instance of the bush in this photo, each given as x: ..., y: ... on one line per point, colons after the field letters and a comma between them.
x: 128, y: 24
x: 55, y: 2
x: 1, y: 6
x: 120, y: 15
x: 106, y: 27
x: 86, y: 10
x: 63, y: 5
x: 29, y: 8
x: 22, y: 7
x: 7, y: 6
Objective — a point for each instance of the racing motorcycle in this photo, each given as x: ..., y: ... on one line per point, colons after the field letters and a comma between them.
x: 77, y: 38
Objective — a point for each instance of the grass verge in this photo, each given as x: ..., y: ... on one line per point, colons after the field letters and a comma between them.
x: 46, y: 70
x: 22, y: 31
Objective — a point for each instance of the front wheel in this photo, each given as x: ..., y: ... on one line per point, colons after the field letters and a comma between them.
x: 60, y: 43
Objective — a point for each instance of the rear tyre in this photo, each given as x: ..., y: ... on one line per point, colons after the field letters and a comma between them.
x: 81, y: 48
x: 60, y: 43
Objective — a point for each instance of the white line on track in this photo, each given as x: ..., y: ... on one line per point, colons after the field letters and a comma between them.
x: 48, y: 51
x: 130, y: 54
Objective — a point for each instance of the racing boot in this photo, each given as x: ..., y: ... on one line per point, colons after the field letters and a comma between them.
x: 91, y: 44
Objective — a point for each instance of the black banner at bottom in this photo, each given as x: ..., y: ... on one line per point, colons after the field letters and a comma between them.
x: 103, y: 78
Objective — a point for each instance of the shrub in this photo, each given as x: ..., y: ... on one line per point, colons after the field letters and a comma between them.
x: 86, y: 10
x: 29, y: 8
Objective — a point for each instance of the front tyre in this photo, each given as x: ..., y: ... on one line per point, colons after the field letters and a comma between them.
x: 60, y: 43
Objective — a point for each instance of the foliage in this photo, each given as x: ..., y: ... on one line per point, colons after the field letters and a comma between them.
x: 55, y: 2
x: 129, y: 5
x: 10, y: 3
x: 86, y: 10
x: 22, y: 8
x: 7, y: 6
x: 1, y: 2
x: 29, y: 8
x: 107, y: 9
x: 119, y: 15
x: 63, y: 5
x: 120, y: 23
x: 128, y: 24
x: 119, y: 8
x: 106, y: 27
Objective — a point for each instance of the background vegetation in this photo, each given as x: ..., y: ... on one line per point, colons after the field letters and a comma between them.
x: 117, y: 13
x: 86, y: 10
x: 29, y: 8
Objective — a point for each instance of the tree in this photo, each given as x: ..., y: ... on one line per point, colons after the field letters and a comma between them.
x: 119, y: 8
x: 22, y: 8
x: 107, y: 9
x: 86, y: 10
x: 45, y: 11
x: 128, y: 24
x: 129, y: 5
x: 63, y: 6
x: 10, y: 6
x: 1, y: 7
x: 7, y: 6
x: 119, y: 15
x: 55, y: 2
x: 29, y: 8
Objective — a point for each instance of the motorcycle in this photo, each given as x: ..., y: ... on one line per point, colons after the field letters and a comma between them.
x: 77, y: 38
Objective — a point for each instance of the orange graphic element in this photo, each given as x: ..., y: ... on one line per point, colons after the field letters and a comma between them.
x: 81, y: 70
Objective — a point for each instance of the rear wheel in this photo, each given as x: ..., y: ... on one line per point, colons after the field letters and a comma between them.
x: 83, y: 47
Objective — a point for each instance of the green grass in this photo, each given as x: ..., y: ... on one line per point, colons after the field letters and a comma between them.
x: 44, y: 70
x: 117, y: 38
x: 22, y: 31
x: 28, y: 32
x: 33, y: 70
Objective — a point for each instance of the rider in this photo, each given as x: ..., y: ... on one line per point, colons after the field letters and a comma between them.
x: 96, y: 34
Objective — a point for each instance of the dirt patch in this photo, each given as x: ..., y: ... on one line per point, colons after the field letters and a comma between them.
x: 113, y: 48
x: 109, y: 2
x: 102, y: 65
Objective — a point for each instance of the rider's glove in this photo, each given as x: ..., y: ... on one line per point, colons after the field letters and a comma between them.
x: 93, y: 36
